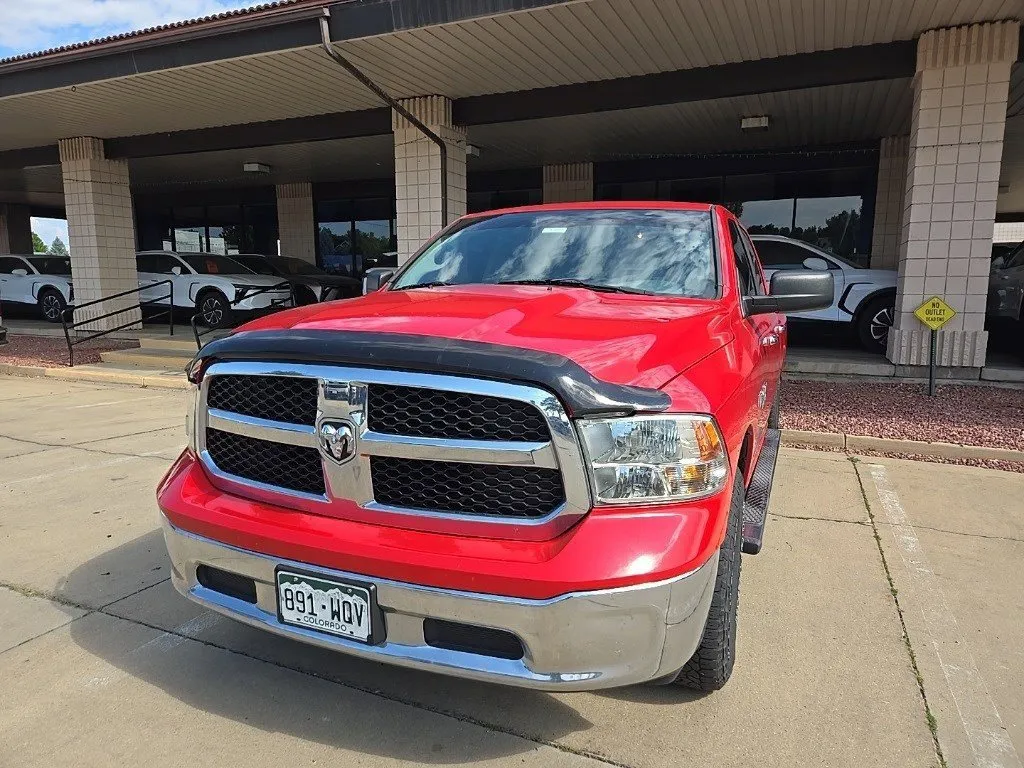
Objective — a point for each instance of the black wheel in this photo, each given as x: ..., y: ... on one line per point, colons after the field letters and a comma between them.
x: 213, y: 309
x: 711, y: 665
x: 52, y: 304
x: 874, y: 322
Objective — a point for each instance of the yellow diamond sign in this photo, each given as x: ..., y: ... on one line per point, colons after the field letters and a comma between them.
x: 935, y: 313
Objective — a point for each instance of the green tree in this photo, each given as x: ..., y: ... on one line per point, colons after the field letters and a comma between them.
x: 57, y: 247
x: 38, y: 246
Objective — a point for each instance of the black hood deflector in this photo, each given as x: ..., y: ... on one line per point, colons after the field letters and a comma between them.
x: 579, y: 391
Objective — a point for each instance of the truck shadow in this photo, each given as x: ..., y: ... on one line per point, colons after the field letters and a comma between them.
x: 278, y: 685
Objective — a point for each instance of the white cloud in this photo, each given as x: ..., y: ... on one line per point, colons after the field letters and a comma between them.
x: 32, y: 25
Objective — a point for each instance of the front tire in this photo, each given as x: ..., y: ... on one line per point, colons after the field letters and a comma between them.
x: 213, y: 309
x: 874, y: 322
x: 711, y: 665
x: 52, y: 305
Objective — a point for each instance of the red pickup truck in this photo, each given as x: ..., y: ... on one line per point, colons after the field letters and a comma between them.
x: 533, y: 455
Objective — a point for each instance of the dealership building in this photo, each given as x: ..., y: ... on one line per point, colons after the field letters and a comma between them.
x: 892, y: 133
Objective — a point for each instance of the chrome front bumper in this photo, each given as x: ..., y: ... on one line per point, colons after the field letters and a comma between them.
x: 578, y: 641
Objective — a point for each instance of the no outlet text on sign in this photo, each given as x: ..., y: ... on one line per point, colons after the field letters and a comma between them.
x: 934, y: 313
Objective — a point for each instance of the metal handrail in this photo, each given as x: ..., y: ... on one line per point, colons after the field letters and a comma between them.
x: 138, y: 305
x: 279, y: 303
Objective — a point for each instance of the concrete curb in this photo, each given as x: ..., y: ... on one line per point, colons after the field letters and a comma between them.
x: 853, y: 443
x: 87, y: 373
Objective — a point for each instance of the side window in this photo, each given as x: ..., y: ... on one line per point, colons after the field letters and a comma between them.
x: 156, y: 263
x: 778, y: 255
x: 749, y: 277
x: 8, y: 264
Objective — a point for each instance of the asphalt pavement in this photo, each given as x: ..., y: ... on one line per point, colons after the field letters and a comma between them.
x: 882, y: 625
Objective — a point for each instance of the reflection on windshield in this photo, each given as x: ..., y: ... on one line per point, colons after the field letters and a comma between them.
x: 666, y: 252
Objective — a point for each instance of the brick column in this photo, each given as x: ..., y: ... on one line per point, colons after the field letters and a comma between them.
x: 296, y: 224
x: 956, y: 147
x: 15, y: 229
x: 888, y: 225
x: 418, y: 172
x: 101, y: 230
x: 569, y: 183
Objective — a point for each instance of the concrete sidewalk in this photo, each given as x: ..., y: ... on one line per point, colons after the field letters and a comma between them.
x: 93, y: 637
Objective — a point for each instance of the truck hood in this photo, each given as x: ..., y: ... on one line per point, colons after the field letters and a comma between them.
x: 642, y: 341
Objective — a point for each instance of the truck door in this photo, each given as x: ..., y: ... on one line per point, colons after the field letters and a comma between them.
x: 762, y: 340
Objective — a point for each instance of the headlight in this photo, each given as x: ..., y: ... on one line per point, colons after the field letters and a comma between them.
x: 654, y: 458
x: 241, y: 291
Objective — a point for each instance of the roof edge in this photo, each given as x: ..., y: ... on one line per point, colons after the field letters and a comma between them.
x: 253, y: 17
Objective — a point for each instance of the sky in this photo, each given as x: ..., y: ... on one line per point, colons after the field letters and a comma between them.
x: 48, y: 229
x: 27, y: 26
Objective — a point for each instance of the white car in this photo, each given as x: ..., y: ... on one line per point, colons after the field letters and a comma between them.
x: 39, y: 281
x: 216, y: 286
x: 866, y: 298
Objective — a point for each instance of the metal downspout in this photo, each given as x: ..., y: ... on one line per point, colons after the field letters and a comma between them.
x: 358, y: 74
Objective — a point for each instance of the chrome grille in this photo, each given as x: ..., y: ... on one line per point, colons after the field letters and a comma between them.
x: 278, y: 398
x: 473, y: 489
x: 426, y: 451
x: 267, y: 462
x: 443, y: 414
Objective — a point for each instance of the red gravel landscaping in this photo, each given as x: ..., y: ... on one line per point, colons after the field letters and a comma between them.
x: 969, y: 415
x: 52, y: 351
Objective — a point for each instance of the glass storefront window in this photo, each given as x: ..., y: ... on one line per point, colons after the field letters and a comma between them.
x: 765, y: 217
x: 832, y: 223
x: 335, y: 241
x: 355, y: 235
x: 373, y: 240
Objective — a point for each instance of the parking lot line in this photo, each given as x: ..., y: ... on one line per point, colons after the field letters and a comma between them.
x: 989, y: 741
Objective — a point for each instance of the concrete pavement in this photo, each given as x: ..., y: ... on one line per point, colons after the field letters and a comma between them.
x: 103, y: 663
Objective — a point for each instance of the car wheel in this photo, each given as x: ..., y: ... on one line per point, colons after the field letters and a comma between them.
x: 52, y: 305
x: 711, y: 665
x: 874, y: 322
x: 213, y: 309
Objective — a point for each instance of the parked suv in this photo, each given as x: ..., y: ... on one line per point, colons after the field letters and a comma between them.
x: 216, y: 286
x: 864, y: 298
x: 311, y: 283
x: 533, y: 457
x: 37, y: 281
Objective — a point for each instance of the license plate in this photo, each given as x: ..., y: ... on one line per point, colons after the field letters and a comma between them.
x: 340, y: 608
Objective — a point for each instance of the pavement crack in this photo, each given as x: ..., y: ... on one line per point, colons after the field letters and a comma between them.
x: 928, y: 714
x: 133, y: 594
x: 820, y: 519
x: 84, y: 445
x: 459, y: 716
x: 964, y: 533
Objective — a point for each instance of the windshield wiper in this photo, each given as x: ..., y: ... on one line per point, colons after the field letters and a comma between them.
x: 431, y: 284
x: 571, y: 282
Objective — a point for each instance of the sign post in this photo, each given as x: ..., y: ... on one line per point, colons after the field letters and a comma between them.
x: 934, y: 313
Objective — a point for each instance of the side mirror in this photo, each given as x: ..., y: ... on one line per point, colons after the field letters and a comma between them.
x: 815, y: 263
x: 375, y: 278
x: 175, y: 270
x: 794, y: 292
x: 20, y: 272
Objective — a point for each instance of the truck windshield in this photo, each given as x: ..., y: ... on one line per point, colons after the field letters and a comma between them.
x: 664, y: 252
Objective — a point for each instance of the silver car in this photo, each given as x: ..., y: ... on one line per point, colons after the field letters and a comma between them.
x: 864, y: 298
